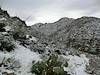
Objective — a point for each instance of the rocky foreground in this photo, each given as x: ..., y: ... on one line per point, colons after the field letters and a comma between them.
x: 66, y: 47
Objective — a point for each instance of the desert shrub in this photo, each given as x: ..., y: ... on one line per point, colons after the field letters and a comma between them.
x: 49, y: 67
x: 18, y: 36
x: 2, y: 25
x: 85, y: 45
x: 58, y: 51
x: 6, y: 46
x: 40, y: 48
x: 40, y: 51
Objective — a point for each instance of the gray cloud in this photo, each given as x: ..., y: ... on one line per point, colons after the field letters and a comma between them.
x: 51, y: 10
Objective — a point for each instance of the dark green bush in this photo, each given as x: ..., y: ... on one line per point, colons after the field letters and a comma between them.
x: 2, y: 25
x: 6, y: 46
x: 49, y: 67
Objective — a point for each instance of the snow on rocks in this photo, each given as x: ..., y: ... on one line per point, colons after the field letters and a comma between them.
x: 33, y: 39
x: 76, y: 64
x: 7, y: 28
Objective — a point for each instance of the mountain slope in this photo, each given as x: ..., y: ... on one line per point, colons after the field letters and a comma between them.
x: 66, y: 47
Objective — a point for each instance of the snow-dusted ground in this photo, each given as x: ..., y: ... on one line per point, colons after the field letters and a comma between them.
x: 24, y: 56
x: 76, y: 64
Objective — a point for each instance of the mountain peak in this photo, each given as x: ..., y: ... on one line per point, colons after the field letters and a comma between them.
x: 64, y: 19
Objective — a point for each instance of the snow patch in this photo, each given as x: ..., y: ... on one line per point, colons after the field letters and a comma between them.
x: 76, y: 64
x: 7, y: 28
x: 25, y: 57
x: 3, y: 19
x: 27, y: 36
x: 33, y: 39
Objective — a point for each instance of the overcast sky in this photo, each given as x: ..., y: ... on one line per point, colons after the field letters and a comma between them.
x: 35, y: 11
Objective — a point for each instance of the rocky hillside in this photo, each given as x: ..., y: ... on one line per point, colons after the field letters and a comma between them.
x: 82, y: 33
x: 66, y: 47
x: 50, y: 28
